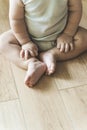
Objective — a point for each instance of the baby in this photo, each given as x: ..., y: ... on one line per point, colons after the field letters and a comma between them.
x: 42, y: 33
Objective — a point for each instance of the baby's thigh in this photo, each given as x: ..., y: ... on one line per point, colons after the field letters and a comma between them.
x: 8, y: 38
x: 81, y: 35
x: 80, y: 39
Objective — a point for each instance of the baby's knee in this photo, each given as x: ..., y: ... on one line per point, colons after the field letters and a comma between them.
x: 4, y: 40
x: 81, y: 36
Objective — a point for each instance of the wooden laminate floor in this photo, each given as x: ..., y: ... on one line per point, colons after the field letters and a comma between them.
x: 58, y: 102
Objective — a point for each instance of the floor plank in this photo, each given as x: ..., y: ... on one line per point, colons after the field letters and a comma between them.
x: 75, y: 100
x: 42, y: 106
x: 71, y: 73
x: 84, y: 14
x: 4, y: 20
x: 7, y: 83
x: 11, y: 117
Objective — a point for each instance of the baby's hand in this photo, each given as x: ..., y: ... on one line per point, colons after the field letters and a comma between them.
x: 29, y: 49
x: 65, y: 43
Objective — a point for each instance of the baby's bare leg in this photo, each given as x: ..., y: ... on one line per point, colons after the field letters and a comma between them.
x: 10, y: 48
x: 80, y: 45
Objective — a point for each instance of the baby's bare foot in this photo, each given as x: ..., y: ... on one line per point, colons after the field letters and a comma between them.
x: 35, y: 70
x: 50, y: 62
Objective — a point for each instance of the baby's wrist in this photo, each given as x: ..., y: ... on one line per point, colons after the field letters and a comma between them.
x: 25, y: 40
x: 68, y: 34
x: 28, y: 42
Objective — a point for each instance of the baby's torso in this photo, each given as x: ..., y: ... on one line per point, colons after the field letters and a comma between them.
x: 45, y: 19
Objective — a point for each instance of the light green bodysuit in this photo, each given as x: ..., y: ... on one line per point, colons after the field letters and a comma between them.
x: 45, y: 20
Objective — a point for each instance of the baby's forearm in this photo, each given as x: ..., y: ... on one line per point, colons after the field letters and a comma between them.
x: 72, y: 23
x: 20, y: 31
x: 74, y: 18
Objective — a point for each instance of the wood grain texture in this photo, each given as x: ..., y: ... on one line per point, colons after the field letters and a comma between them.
x: 42, y: 106
x: 75, y: 100
x: 72, y: 73
x: 11, y: 117
x: 7, y: 83
x: 4, y: 21
x: 84, y: 14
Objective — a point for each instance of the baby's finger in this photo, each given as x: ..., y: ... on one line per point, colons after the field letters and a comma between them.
x: 36, y: 52
x: 66, y: 47
x: 26, y: 54
x: 62, y: 47
x: 58, y: 45
x: 36, y: 48
x: 22, y: 53
x: 32, y: 53
x: 71, y: 46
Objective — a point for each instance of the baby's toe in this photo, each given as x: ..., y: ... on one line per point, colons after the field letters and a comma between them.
x: 51, y: 69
